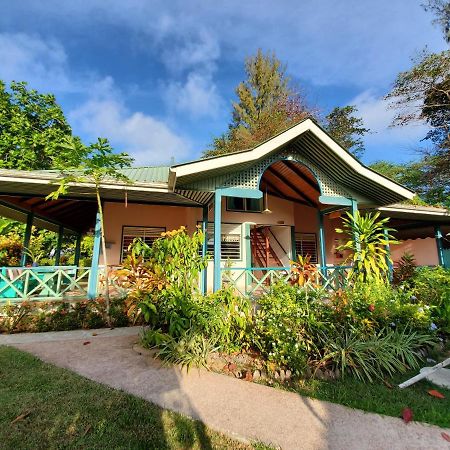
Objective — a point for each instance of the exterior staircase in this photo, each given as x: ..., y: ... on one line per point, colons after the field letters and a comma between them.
x: 262, y: 252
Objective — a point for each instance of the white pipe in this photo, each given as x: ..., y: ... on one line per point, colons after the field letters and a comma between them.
x: 424, y: 374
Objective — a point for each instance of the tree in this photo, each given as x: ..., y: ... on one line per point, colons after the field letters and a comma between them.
x: 97, y: 164
x: 32, y: 127
x: 347, y: 129
x: 414, y: 175
x: 441, y: 9
x: 267, y: 105
x: 422, y: 94
x: 368, y: 241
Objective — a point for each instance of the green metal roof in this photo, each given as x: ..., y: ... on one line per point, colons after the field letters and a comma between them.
x: 150, y: 174
x: 153, y: 174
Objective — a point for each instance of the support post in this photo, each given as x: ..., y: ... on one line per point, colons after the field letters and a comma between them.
x: 93, y: 277
x: 204, y: 279
x: 217, y: 240
x: 388, y: 255
x: 27, y: 239
x: 323, y: 256
x: 59, y: 245
x: 76, y: 260
x: 440, y: 248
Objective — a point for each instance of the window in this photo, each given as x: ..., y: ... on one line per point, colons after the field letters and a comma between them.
x: 230, y: 241
x: 146, y: 234
x: 306, y: 244
x: 244, y: 204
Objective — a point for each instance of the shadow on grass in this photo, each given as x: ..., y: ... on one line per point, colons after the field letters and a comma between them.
x: 69, y: 411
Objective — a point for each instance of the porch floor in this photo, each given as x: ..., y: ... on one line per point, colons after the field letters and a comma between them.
x: 240, y: 409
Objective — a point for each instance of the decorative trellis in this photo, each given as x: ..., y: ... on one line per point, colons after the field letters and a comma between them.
x: 249, y: 178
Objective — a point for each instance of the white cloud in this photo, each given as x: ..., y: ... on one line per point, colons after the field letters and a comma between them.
x: 353, y: 42
x: 198, y: 96
x: 148, y: 140
x: 30, y: 58
x: 378, y: 118
x: 101, y: 109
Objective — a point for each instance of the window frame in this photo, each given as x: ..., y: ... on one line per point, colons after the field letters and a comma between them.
x: 241, y: 234
x: 314, y: 257
x: 245, y: 210
x: 163, y: 230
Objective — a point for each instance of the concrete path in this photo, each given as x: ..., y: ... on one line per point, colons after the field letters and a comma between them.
x: 238, y: 408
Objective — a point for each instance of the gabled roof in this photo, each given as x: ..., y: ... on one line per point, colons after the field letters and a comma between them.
x: 309, y: 140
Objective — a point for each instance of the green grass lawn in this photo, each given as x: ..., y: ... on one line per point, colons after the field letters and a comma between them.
x: 377, y: 397
x: 69, y: 411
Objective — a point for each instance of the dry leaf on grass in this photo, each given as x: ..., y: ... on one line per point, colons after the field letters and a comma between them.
x: 22, y: 416
x: 435, y: 393
x: 86, y: 431
x: 407, y: 415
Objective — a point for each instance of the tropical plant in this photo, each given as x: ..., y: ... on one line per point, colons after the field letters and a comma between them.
x: 226, y: 317
x: 304, y: 273
x: 405, y: 269
x: 143, y: 285
x: 368, y: 242
x: 97, y: 163
x: 431, y: 286
x: 192, y: 348
x: 176, y: 255
x: 368, y: 358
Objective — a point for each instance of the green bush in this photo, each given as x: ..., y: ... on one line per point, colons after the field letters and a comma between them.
x: 190, y: 349
x: 370, y: 357
x: 431, y: 286
x: 286, y: 323
x: 61, y: 316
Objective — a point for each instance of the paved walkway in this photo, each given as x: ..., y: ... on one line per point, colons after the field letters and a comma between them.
x: 238, y: 408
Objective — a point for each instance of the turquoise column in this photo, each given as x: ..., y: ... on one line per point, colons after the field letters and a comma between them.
x: 76, y: 260
x: 204, y: 280
x: 217, y: 240
x: 27, y: 238
x: 440, y: 248
x: 59, y: 245
x: 93, y: 277
x: 388, y: 255
x: 323, y: 256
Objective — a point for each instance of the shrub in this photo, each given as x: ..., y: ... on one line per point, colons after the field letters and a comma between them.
x: 192, y: 348
x: 367, y: 358
x: 226, y: 317
x: 431, y: 286
x: 376, y: 305
x: 286, y: 322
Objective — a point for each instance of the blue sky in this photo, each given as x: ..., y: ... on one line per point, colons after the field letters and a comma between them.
x: 157, y: 77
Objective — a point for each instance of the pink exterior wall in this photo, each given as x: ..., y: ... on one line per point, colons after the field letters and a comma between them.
x: 424, y: 251
x: 117, y: 216
x: 282, y: 214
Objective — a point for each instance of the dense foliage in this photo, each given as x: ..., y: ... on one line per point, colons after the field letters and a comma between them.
x: 347, y: 129
x: 368, y: 241
x: 32, y: 127
x: 267, y: 105
x: 61, y: 316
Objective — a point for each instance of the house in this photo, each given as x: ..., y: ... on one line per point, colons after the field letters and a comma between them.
x: 259, y: 208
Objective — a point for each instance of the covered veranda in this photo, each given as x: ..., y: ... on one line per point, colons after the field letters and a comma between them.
x: 23, y: 199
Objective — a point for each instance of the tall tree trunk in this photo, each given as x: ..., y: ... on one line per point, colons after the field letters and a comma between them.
x: 105, y: 261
